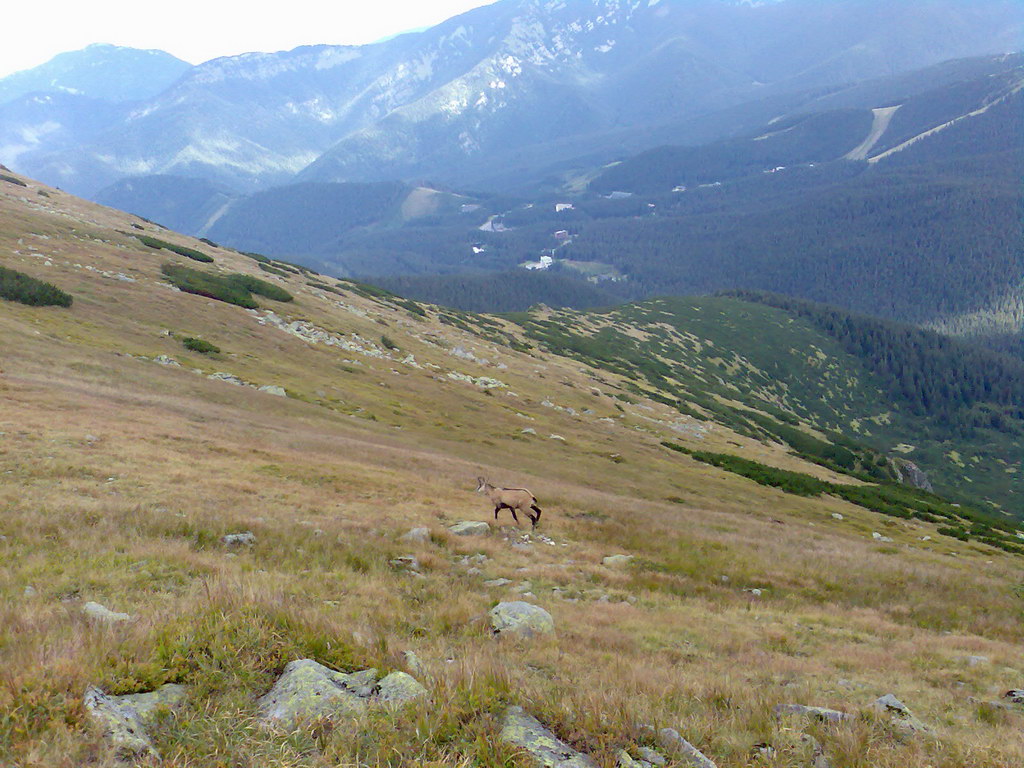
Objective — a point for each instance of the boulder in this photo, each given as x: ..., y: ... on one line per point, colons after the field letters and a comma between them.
x: 398, y: 687
x: 520, y: 619
x: 526, y: 732
x: 819, y: 713
x: 417, y: 536
x: 102, y: 613
x: 677, y: 745
x: 470, y: 528
x: 615, y: 561
x: 899, y: 712
x: 246, y: 539
x: 405, y: 563
x: 307, y: 690
x: 123, y: 719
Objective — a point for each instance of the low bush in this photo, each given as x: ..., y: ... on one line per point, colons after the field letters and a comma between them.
x: 201, y: 346
x: 17, y: 286
x: 260, y: 287
x: 206, y: 284
x: 181, y: 250
x: 12, y: 180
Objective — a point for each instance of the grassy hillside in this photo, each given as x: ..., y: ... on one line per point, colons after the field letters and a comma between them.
x: 123, y: 470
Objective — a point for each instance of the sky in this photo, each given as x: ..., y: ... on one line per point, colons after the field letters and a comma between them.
x: 199, y: 30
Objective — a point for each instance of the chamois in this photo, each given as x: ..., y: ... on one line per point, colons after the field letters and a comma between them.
x: 511, y: 499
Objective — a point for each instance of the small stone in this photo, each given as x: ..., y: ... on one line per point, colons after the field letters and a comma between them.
x: 165, y: 360
x: 470, y: 528
x: 520, y: 619
x: 673, y: 742
x: 417, y: 536
x: 974, y: 661
x: 651, y: 756
x: 819, y: 713
x: 405, y: 563
x: 528, y: 431
x: 239, y: 539
x: 837, y: 516
x: 30, y: 591
x: 617, y: 560
x: 526, y: 732
x: 102, y: 613
x: 497, y: 582
x: 474, y: 571
x: 879, y: 537
x: 274, y: 389
x: 556, y: 437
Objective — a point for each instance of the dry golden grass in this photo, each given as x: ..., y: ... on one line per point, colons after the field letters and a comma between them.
x: 118, y: 477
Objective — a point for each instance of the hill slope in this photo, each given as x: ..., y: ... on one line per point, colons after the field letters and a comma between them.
x: 739, y: 596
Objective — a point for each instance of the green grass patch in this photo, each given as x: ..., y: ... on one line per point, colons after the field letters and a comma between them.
x: 19, y: 287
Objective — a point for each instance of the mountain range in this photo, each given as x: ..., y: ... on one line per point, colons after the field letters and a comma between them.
x: 516, y: 82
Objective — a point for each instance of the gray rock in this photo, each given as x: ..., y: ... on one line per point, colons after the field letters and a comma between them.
x: 677, y: 745
x: 528, y: 431
x: 470, y: 528
x: 617, y: 560
x: 239, y: 539
x: 908, y: 473
x: 29, y: 591
x: 899, y: 711
x: 417, y: 536
x: 651, y: 756
x: 308, y: 691
x: 974, y: 661
x: 399, y: 687
x: 274, y: 389
x: 123, y: 719
x: 102, y: 613
x: 520, y: 619
x: 497, y: 583
x: 819, y: 713
x: 526, y: 732
x: 879, y: 537
x: 837, y: 516
x: 165, y: 360
x: 405, y: 563
x: 414, y: 663
x: 228, y: 377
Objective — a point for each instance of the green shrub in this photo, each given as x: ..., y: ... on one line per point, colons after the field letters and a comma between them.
x: 207, y: 284
x: 17, y: 286
x: 200, y: 345
x: 181, y: 250
x: 260, y: 287
x: 12, y: 180
x: 387, y: 342
x: 272, y: 270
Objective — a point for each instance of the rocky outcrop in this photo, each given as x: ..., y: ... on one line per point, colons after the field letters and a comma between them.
x: 908, y: 473
x: 526, y: 732
x: 246, y: 539
x: 522, y: 620
x: 308, y: 691
x: 123, y: 720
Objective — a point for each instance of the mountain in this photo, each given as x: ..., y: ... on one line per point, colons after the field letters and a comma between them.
x: 720, y: 540
x: 516, y: 76
x: 101, y: 72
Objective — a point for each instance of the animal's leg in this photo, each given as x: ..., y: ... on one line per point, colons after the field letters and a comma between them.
x: 514, y: 515
x: 497, y: 509
x: 536, y: 519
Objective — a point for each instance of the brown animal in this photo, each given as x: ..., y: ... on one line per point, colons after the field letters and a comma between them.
x: 511, y: 499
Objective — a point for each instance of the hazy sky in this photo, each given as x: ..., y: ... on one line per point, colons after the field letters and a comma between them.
x: 198, y: 30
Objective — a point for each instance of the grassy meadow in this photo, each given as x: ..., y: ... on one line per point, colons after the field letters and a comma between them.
x: 119, y: 475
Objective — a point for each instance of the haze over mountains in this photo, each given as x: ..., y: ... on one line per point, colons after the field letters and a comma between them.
x: 866, y: 137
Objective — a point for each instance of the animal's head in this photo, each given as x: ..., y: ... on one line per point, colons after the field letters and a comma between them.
x: 481, y: 484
